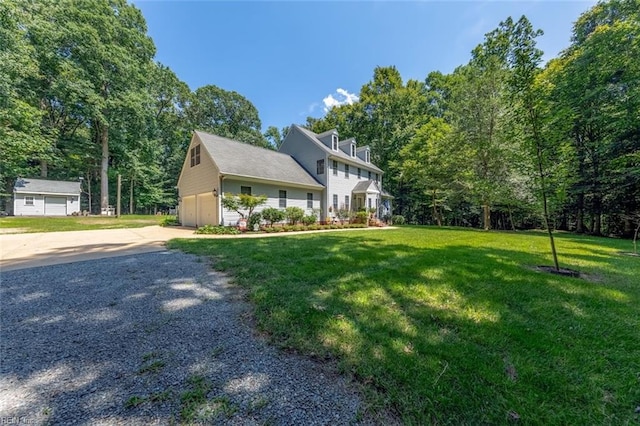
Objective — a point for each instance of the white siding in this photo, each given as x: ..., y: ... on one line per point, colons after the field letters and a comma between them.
x: 295, y: 196
x: 71, y: 203
x: 343, y: 186
x: 21, y: 209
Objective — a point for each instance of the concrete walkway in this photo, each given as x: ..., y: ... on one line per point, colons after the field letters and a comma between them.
x: 19, y: 251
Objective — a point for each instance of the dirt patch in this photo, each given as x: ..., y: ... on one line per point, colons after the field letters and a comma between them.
x: 562, y: 271
x: 628, y: 253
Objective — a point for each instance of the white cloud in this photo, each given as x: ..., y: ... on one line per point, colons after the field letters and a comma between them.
x: 340, y: 97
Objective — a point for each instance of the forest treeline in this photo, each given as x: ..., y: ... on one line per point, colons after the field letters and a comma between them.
x: 504, y: 141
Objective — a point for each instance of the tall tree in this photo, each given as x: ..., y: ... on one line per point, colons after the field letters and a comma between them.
x: 517, y: 41
x: 227, y: 114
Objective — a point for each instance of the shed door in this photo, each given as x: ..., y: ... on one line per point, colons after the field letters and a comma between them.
x: 55, y: 206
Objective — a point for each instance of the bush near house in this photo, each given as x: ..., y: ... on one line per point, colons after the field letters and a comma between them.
x: 273, y: 215
x: 293, y: 215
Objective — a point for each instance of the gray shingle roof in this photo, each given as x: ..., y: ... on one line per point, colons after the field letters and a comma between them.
x: 43, y: 186
x: 339, y: 154
x: 244, y: 160
x: 364, y: 187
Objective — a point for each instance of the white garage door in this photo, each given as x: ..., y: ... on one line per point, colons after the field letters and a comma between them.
x: 188, y: 211
x: 55, y: 206
x: 207, y: 210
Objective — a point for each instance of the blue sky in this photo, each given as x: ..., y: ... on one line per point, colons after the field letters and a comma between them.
x: 292, y: 59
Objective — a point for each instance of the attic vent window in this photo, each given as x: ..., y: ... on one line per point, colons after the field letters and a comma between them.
x: 195, y: 155
x: 334, y: 142
x: 367, y: 157
x: 353, y: 149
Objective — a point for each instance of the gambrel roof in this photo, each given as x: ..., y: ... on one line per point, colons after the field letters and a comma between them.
x: 239, y: 159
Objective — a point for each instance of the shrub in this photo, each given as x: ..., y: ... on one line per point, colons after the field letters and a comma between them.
x: 362, y: 217
x: 169, y: 221
x: 272, y: 215
x: 309, y: 220
x: 219, y: 229
x: 293, y: 215
x: 254, y: 221
x: 397, y: 220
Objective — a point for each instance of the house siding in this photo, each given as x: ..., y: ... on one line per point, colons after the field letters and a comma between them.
x: 307, y: 155
x: 38, y: 208
x: 198, y: 179
x: 296, y: 197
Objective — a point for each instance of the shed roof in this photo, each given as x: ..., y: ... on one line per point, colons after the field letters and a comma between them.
x: 249, y: 161
x: 43, y: 186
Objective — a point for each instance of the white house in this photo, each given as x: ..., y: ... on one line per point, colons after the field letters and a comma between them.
x: 39, y: 197
x: 350, y: 180
x: 307, y: 172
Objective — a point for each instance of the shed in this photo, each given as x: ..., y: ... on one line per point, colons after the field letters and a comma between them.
x: 40, y: 197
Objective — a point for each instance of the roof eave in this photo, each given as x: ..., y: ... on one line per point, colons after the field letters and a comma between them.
x: 271, y: 181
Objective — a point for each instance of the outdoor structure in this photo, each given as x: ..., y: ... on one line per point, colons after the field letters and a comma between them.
x: 317, y: 173
x: 39, y: 197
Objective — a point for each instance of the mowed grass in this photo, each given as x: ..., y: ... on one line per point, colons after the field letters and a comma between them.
x: 22, y: 224
x: 454, y: 326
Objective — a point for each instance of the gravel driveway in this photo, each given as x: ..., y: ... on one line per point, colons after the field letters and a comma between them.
x: 153, y: 338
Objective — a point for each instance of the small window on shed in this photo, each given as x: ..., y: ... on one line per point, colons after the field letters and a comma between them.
x: 28, y: 200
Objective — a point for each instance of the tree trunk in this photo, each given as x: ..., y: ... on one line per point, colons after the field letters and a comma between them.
x: 580, y: 214
x: 103, y: 137
x: 486, y: 216
x: 436, y: 217
x: 44, y: 169
x: 513, y: 226
x: 131, y: 196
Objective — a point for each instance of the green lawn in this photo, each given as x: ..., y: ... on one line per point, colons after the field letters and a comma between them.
x: 76, y: 223
x: 454, y: 326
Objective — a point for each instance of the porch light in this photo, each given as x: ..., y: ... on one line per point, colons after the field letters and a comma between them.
x: 215, y: 192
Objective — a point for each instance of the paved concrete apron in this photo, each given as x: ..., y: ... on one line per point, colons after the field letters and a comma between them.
x: 18, y: 251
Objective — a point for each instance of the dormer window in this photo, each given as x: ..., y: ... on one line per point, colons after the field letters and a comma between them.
x: 334, y: 142
x: 367, y: 157
x: 353, y: 150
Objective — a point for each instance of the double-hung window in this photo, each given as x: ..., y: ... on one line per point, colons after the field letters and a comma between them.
x: 309, y: 200
x: 320, y: 167
x: 28, y: 200
x: 282, y: 202
x: 346, y: 202
x: 359, y: 173
x: 245, y: 190
x: 335, y: 202
x: 346, y: 171
x: 195, y: 155
x: 335, y: 168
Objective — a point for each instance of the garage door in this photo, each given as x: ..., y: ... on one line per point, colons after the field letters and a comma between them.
x: 188, y: 211
x: 207, y: 210
x: 55, y: 206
